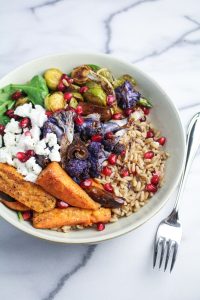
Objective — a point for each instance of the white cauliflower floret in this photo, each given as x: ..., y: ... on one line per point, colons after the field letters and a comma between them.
x: 9, y: 139
x: 13, y: 127
x: 23, y: 110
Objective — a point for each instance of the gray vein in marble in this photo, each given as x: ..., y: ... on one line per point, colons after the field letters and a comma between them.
x: 110, y: 18
x: 181, y: 39
x: 47, y: 3
x: 68, y: 275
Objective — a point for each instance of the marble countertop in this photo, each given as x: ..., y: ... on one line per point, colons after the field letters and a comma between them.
x: 162, y: 38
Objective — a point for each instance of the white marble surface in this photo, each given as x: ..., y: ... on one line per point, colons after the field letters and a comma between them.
x: 163, y: 39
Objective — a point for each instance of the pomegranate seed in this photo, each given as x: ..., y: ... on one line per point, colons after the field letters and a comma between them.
x: 86, y: 183
x: 109, y: 135
x: 100, y: 226
x: 150, y: 134
x: 9, y: 113
x: 27, y: 133
x: 149, y: 155
x: 106, y: 171
x: 123, y: 153
x: 124, y: 173
x: 2, y: 128
x: 83, y: 89
x: 79, y: 110
x: 79, y: 120
x: 110, y: 99
x: 64, y: 76
x: 22, y: 156
x: 146, y: 110
x: 151, y: 188
x: 155, y: 179
x: 48, y: 113
x: 161, y: 140
x: 25, y: 122
x: 68, y: 96
x: 108, y: 187
x: 117, y: 116
x: 30, y: 153
x: 70, y: 80
x: 27, y: 215
x: 128, y: 111
x: 71, y: 109
x: 16, y: 95
x: 96, y: 138
x: 143, y: 119
x: 62, y: 204
x: 112, y: 159
x: 61, y: 86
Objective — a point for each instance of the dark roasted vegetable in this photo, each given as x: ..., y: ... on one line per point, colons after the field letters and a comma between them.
x: 90, y: 127
x: 105, y: 198
x: 42, y: 160
x: 80, y: 74
x: 89, y: 108
x: 6, y: 197
x: 77, y: 149
x: 126, y: 95
x: 118, y: 148
x: 78, y: 169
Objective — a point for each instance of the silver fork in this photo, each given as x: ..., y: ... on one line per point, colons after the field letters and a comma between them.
x: 169, y: 232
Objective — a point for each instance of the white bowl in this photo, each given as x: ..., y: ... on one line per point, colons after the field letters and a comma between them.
x: 165, y: 117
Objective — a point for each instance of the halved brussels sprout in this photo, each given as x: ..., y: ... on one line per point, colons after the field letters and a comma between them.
x: 52, y: 77
x: 122, y: 79
x: 105, y: 84
x: 106, y: 74
x: 145, y: 102
x: 73, y: 102
x: 55, y: 101
x: 80, y: 74
x: 77, y: 96
x: 21, y: 101
x: 95, y: 94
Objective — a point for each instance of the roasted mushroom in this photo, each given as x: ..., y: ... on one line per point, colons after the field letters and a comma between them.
x: 105, y: 198
x: 77, y: 149
x: 52, y: 77
x: 80, y: 74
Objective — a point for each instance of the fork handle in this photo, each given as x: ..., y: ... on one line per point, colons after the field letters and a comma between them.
x: 192, y: 145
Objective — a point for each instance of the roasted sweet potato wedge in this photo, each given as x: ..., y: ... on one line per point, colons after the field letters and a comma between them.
x: 57, y: 182
x: 15, y: 205
x: 27, y: 193
x: 70, y: 216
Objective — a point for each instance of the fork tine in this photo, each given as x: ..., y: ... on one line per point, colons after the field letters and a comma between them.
x: 163, y: 244
x: 174, y: 256
x: 168, y: 254
x: 156, y: 245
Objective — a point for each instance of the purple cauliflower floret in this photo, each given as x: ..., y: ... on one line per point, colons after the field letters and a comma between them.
x: 94, y: 148
x: 109, y: 144
x: 126, y: 95
x: 78, y: 169
x: 96, y: 157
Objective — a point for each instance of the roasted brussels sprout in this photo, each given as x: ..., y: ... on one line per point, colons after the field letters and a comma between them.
x: 52, y: 77
x: 73, y: 102
x: 80, y: 74
x: 21, y: 101
x: 106, y: 74
x: 95, y: 94
x: 77, y: 96
x: 145, y: 102
x: 55, y: 101
x: 103, y: 81
x: 122, y: 79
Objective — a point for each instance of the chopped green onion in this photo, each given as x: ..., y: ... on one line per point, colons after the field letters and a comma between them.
x: 20, y: 217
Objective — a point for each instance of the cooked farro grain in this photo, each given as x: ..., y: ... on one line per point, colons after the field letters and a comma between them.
x: 133, y: 187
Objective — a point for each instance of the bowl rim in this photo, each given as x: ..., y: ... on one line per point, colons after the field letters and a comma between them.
x: 120, y: 232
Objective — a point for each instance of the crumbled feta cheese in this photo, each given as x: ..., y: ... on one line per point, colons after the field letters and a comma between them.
x: 51, y: 139
x: 38, y: 116
x: 35, y: 132
x: 23, y: 110
x: 41, y: 148
x: 32, y: 166
x: 9, y: 139
x: 54, y: 155
x: 13, y: 127
x: 1, y: 141
x: 31, y: 177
